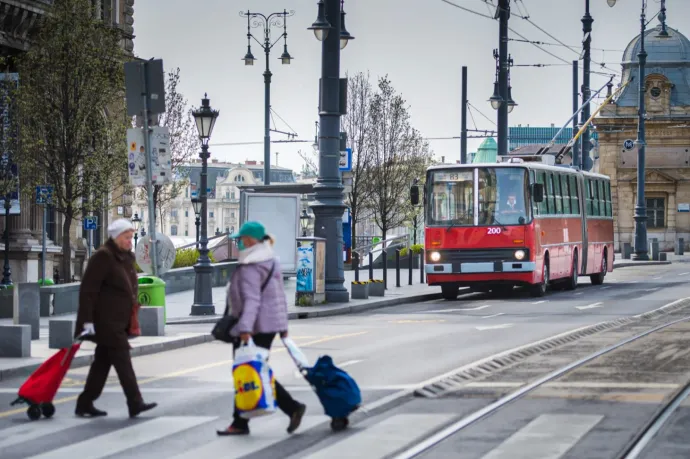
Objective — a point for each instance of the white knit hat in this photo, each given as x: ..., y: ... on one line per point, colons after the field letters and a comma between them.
x: 118, y: 227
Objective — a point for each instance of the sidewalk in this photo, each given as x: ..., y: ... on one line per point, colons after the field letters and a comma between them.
x: 670, y: 258
x: 179, y: 304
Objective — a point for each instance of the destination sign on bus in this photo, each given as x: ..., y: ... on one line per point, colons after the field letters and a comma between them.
x: 452, y: 176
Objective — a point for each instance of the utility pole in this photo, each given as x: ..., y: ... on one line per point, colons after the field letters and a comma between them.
x: 587, y: 21
x: 503, y: 16
x: 576, y: 105
x: 463, y: 119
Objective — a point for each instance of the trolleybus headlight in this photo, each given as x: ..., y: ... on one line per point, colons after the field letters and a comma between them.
x: 434, y: 256
x: 519, y: 254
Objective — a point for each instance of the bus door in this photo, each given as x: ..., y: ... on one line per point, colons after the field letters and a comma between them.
x: 582, y: 193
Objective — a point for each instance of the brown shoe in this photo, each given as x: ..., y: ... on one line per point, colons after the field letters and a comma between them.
x: 232, y: 431
x: 296, y: 418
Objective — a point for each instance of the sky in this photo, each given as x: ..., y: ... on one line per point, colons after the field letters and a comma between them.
x: 421, y: 45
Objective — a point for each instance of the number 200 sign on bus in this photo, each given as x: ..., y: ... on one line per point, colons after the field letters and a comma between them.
x: 493, y: 227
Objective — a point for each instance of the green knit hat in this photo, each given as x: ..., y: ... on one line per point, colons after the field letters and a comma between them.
x: 254, y: 230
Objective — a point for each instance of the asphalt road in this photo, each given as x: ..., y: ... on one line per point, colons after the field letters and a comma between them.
x: 386, y: 351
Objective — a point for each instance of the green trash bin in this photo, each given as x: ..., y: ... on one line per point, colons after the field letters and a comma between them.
x: 152, y: 293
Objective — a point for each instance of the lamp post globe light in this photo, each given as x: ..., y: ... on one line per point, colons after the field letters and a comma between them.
x: 136, y: 222
x: 196, y: 205
x: 205, y: 119
x: 304, y: 219
x: 328, y: 205
x: 266, y: 22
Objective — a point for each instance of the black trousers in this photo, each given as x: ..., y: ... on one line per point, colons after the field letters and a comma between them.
x: 286, y: 403
x: 104, y: 358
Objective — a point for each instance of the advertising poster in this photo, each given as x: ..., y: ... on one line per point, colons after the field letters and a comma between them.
x: 160, y: 155
x: 321, y: 272
x: 305, y: 266
x: 136, y: 157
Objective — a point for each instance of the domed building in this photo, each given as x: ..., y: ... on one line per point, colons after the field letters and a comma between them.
x: 667, y: 175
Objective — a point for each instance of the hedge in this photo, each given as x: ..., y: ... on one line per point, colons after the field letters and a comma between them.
x: 416, y: 249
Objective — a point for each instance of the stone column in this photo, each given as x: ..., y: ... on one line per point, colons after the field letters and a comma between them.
x: 20, y: 225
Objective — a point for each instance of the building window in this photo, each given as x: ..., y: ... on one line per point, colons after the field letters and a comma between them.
x: 656, y: 209
x: 173, y: 230
x: 173, y: 213
x: 239, y: 178
x: 210, y: 214
x: 186, y: 233
x: 227, y: 195
x: 232, y: 195
x: 186, y: 213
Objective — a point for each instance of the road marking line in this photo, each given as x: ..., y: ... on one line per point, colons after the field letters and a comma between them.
x: 494, y: 315
x: 604, y: 288
x: 540, y: 302
x: 659, y: 277
x: 556, y: 434
x: 494, y: 327
x: 652, y: 289
x: 589, y: 306
x: 579, y: 293
x: 58, y: 401
x: 478, y: 308
x: 683, y: 274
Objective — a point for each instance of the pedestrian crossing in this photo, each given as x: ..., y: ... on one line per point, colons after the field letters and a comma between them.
x: 547, y: 436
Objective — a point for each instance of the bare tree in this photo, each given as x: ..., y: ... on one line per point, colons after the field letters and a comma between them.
x: 310, y: 168
x: 183, y: 144
x: 398, y: 155
x: 357, y: 123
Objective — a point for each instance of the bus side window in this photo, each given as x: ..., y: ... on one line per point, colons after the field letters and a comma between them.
x: 609, y: 200
x: 574, y: 197
x: 588, y: 188
x: 602, y: 198
x: 551, y: 194
x: 565, y: 192
x: 543, y: 206
x: 558, y: 197
x: 595, y: 198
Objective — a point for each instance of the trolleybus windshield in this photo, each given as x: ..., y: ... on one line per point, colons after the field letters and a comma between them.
x: 500, y: 197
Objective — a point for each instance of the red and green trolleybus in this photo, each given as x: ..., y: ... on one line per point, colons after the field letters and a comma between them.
x: 493, y: 227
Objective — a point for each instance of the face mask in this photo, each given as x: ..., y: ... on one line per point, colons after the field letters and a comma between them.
x: 240, y: 244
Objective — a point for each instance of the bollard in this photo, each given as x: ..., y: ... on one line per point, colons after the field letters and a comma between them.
x: 355, y: 265
x: 680, y: 246
x: 384, y: 255
x: 655, y: 249
x: 421, y: 267
x: 371, y: 266
x: 410, y: 263
x: 662, y: 256
x: 397, y: 267
x: 627, y: 250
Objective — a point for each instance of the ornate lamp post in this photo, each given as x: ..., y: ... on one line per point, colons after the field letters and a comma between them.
x: 205, y: 119
x: 304, y: 220
x: 196, y: 204
x: 136, y: 222
x: 272, y: 20
x: 641, y: 249
x: 328, y: 206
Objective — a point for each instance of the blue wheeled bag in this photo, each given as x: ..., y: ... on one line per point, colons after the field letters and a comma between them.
x: 337, y: 391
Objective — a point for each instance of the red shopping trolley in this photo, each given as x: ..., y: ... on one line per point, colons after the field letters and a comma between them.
x: 39, y: 390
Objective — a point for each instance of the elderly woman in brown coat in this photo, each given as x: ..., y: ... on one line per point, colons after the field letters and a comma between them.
x: 107, y: 299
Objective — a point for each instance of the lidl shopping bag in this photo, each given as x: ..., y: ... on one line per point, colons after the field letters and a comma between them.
x: 254, y: 381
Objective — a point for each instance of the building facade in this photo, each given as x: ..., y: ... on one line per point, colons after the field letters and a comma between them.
x: 17, y: 21
x: 177, y: 218
x: 667, y: 177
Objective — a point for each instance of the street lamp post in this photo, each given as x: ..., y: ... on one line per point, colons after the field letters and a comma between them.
x: 272, y: 20
x: 305, y: 218
x: 136, y: 222
x: 196, y: 204
x: 205, y: 119
x: 328, y: 206
x: 502, y: 99
x: 641, y: 249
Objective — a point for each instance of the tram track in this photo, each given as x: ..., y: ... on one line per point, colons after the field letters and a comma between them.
x: 634, y: 448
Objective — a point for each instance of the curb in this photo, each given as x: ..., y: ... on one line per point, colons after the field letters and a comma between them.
x: 85, y: 360
x: 628, y: 264
x: 338, y: 310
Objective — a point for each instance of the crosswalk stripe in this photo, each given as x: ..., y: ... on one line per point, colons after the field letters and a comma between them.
x: 130, y: 437
x: 29, y: 431
x: 385, y: 437
x: 547, y: 437
x: 264, y: 433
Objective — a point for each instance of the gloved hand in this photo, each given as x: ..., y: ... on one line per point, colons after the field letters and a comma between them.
x: 89, y: 329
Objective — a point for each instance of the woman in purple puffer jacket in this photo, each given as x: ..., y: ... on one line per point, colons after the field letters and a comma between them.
x: 261, y: 314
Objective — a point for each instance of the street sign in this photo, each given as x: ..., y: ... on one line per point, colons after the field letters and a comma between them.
x: 44, y: 194
x: 629, y: 144
x: 160, y: 155
x: 165, y: 249
x: 345, y: 163
x: 145, y: 77
x: 90, y: 223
